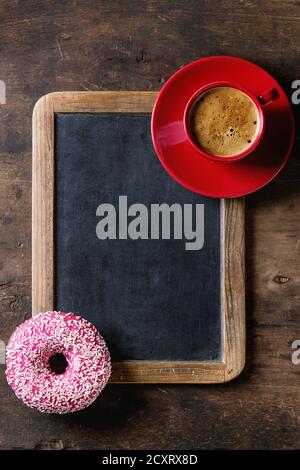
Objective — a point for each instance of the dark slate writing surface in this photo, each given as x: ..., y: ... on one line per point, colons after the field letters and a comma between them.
x: 150, y: 299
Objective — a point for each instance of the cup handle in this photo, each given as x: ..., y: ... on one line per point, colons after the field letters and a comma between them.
x: 268, y: 96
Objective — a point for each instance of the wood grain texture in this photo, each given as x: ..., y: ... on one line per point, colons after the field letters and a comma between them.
x: 43, y: 205
x: 233, y: 286
x: 43, y: 254
x: 104, y: 102
x: 137, y: 45
x: 176, y: 372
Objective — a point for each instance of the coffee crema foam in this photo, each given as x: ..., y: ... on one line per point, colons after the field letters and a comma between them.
x: 224, y: 121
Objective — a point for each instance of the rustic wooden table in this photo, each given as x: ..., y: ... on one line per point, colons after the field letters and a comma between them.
x: 136, y: 45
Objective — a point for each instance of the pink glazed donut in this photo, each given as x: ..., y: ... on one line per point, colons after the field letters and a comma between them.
x: 30, y: 353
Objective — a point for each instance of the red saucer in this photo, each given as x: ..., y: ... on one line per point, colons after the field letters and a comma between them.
x: 215, y: 178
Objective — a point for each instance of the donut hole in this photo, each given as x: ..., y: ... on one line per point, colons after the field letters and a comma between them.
x: 58, y: 363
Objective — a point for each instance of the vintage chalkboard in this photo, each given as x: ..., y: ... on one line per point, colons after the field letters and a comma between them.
x: 158, y: 269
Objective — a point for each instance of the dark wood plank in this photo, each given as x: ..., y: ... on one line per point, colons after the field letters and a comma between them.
x: 137, y: 45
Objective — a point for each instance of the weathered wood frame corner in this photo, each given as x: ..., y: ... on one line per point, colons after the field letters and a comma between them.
x: 43, y: 248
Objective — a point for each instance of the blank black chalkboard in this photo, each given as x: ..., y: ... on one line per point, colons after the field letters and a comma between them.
x: 167, y: 313
x: 151, y: 299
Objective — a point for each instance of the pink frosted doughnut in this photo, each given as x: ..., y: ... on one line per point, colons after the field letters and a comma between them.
x: 32, y: 346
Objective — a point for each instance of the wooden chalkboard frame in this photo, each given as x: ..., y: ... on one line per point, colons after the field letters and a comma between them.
x: 43, y: 247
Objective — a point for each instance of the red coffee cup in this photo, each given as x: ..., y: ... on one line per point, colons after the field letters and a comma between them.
x: 260, y: 103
